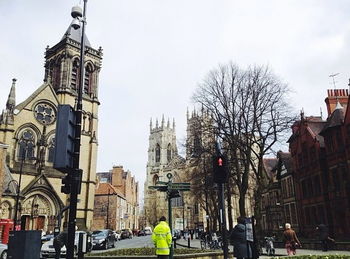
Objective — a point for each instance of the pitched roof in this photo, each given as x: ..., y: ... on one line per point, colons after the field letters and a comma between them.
x: 105, y: 189
x: 336, y: 119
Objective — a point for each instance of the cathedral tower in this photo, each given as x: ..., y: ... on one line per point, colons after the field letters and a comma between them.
x: 161, y: 151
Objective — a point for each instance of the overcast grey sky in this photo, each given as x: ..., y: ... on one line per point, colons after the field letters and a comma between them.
x: 157, y: 51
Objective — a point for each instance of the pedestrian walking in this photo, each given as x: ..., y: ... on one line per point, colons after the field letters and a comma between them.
x: 241, y: 247
x: 58, y: 242
x: 162, y: 239
x: 323, y: 235
x: 291, y: 240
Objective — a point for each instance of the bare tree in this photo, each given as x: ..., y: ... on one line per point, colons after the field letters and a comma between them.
x: 250, y: 112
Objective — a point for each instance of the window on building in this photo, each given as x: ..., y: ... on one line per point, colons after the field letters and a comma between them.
x: 168, y: 152
x: 336, y: 179
x: 88, y: 79
x: 26, y: 144
x: 304, y: 189
x: 75, y: 74
x: 155, y: 179
x: 287, y: 213
x: 321, y: 215
x: 157, y: 153
x: 317, y: 185
x: 51, y: 149
x: 293, y: 211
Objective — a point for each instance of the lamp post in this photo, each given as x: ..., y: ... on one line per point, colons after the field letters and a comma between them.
x: 107, y: 223
x: 79, y: 18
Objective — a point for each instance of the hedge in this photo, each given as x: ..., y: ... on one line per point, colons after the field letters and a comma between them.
x: 315, y: 257
x: 150, y: 251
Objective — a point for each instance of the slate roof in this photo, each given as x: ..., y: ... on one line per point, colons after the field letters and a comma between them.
x: 75, y: 35
x: 336, y: 119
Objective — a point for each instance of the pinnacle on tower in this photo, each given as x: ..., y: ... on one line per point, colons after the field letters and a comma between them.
x: 168, y: 123
x: 174, y: 124
x: 157, y: 123
x: 163, y: 121
x: 11, y: 100
x: 150, y: 125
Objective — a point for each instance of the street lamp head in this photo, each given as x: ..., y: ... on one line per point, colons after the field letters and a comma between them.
x: 76, y: 11
x: 75, y: 24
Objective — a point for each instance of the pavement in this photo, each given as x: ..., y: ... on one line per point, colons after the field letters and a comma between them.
x: 195, y: 243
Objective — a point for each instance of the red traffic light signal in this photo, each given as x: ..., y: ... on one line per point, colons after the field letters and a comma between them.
x: 220, y: 171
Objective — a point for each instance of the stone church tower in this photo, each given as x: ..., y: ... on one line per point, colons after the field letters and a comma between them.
x: 162, y: 151
x: 29, y: 130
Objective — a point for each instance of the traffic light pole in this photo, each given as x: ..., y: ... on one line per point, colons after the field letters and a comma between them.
x: 223, y: 218
x: 76, y: 171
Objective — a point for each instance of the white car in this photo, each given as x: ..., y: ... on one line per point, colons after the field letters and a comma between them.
x: 48, y: 250
x: 3, y: 251
x: 117, y: 235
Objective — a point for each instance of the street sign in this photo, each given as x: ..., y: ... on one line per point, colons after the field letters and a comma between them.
x: 160, y: 182
x: 161, y: 188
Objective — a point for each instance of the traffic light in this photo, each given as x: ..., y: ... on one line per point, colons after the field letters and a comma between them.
x: 220, y: 172
x: 66, y: 184
x: 64, y: 138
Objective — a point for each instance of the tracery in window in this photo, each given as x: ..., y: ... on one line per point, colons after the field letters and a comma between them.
x: 26, y: 144
x: 157, y: 153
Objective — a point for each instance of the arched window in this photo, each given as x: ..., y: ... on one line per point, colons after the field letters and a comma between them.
x: 75, y: 74
x: 155, y: 179
x: 26, y: 144
x: 168, y: 152
x: 157, y: 153
x: 51, y: 149
x: 56, y: 74
x: 88, y: 79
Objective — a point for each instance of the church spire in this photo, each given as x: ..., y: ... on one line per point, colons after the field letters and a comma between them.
x: 11, y: 100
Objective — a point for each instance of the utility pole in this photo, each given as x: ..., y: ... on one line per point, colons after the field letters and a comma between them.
x: 77, y: 172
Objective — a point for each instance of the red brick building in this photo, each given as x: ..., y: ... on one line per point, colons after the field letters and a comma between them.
x: 320, y: 152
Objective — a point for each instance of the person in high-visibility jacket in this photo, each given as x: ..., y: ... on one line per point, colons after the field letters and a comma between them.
x: 161, y: 237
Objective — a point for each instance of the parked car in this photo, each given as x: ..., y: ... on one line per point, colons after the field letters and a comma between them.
x: 3, y: 251
x: 176, y: 234
x: 141, y: 233
x: 48, y: 250
x: 104, y: 239
x: 46, y: 238
x: 148, y: 231
x: 126, y: 233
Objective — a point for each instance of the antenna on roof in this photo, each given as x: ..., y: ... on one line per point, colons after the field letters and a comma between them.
x: 335, y: 87
x: 334, y: 82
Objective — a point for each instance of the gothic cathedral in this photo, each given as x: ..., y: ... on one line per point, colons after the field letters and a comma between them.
x: 28, y: 128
